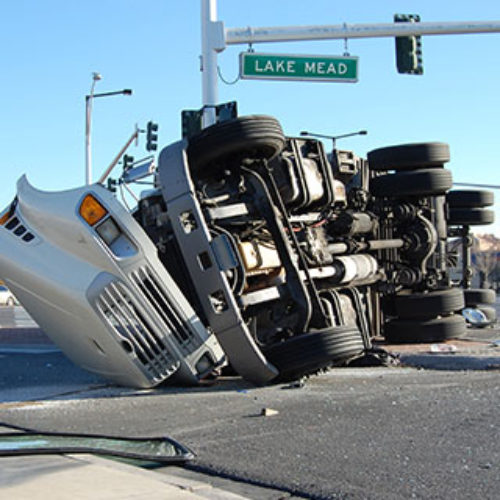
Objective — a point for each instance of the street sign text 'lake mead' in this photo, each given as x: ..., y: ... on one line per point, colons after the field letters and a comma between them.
x: 259, y: 66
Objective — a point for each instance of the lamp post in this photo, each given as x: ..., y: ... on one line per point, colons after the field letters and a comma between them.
x: 334, y: 137
x: 88, y: 121
x: 88, y: 118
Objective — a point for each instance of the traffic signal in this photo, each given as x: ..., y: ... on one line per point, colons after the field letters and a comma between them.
x: 128, y: 161
x: 192, y: 119
x: 409, y: 48
x: 112, y: 185
x: 152, y: 136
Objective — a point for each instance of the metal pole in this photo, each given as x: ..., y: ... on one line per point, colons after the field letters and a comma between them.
x: 328, y: 32
x: 89, y: 99
x: 208, y: 61
x: 88, y: 167
x: 467, y: 272
x: 488, y: 186
x: 119, y: 155
x: 88, y: 124
x: 215, y: 38
x: 333, y: 138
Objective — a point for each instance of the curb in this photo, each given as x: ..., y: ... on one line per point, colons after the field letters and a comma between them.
x: 33, y: 476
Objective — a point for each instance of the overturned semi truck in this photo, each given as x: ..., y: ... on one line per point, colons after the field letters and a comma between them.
x: 252, y: 250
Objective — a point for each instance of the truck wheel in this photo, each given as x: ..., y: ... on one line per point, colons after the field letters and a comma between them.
x: 424, y: 182
x: 253, y: 136
x: 401, y: 331
x: 409, y: 156
x: 476, y: 296
x: 428, y: 304
x: 470, y: 216
x: 305, y: 354
x: 470, y: 199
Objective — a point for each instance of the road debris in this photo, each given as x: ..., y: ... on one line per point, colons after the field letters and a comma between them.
x: 443, y: 348
x: 268, y: 412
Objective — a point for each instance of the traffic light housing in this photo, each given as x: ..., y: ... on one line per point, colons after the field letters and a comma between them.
x: 128, y: 161
x: 152, y: 136
x: 409, y: 48
x: 112, y: 185
x: 192, y: 119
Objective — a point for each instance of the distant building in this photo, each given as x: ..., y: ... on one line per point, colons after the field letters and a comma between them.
x: 485, y: 261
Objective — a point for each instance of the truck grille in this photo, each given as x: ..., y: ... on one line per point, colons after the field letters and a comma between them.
x: 136, y: 335
x: 158, y: 297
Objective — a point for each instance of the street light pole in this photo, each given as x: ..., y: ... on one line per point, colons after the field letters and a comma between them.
x: 88, y: 122
x: 334, y: 138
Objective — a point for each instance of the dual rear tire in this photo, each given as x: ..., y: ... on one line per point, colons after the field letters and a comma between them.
x: 467, y: 208
x: 418, y: 170
x: 400, y: 331
x: 422, y: 182
x: 426, y: 317
x: 406, y: 157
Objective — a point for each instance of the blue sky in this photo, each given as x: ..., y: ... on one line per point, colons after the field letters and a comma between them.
x: 49, y: 49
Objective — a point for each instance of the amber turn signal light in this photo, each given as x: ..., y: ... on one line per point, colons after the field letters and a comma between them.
x: 4, y: 217
x: 91, y: 210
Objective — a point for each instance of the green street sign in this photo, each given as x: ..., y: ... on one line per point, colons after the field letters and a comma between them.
x: 259, y: 66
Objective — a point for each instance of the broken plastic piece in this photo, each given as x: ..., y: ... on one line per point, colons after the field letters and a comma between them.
x: 475, y: 317
x: 443, y: 348
x: 158, y: 449
x: 268, y: 412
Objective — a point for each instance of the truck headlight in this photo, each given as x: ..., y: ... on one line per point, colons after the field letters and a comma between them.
x: 108, y: 231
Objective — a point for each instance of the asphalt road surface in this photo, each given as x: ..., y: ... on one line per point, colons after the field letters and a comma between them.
x: 372, y: 433
x: 15, y: 317
x: 353, y: 433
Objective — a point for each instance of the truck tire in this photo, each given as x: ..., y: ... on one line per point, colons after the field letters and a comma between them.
x: 306, y: 354
x: 470, y: 199
x: 253, y: 136
x: 401, y: 331
x: 428, y: 304
x: 424, y: 182
x: 470, y: 216
x: 409, y: 156
x: 476, y: 296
